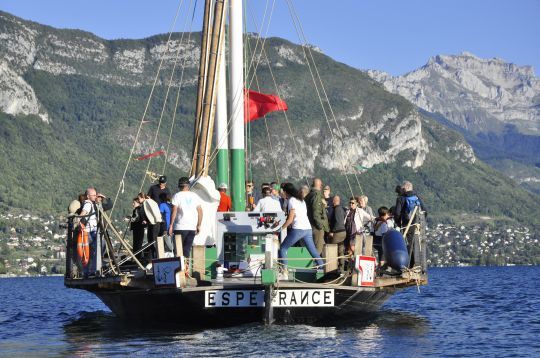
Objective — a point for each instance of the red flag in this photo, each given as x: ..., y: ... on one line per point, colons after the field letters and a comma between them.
x: 258, y: 104
x: 155, y: 154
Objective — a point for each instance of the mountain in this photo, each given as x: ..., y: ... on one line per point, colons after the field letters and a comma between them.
x: 72, y: 103
x: 494, y: 104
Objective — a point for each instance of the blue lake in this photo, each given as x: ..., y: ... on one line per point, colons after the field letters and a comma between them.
x: 473, y: 311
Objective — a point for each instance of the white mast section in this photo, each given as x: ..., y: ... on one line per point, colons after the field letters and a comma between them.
x: 237, y: 104
x: 237, y: 74
x: 222, y: 137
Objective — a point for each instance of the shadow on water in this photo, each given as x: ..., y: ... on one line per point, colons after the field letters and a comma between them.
x: 105, y: 325
x: 92, y: 330
x: 102, y: 332
x: 390, y: 320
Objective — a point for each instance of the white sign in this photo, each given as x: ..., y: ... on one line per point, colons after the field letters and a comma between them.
x: 234, y: 298
x: 366, y: 270
x: 166, y: 270
x: 282, y: 298
x: 304, y: 298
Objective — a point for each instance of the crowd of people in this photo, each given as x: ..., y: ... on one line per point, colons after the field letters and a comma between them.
x: 314, y: 217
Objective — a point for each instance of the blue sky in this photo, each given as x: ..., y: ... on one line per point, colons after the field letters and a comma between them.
x: 394, y: 36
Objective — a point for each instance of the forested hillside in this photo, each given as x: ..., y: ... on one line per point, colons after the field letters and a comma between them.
x: 94, y: 101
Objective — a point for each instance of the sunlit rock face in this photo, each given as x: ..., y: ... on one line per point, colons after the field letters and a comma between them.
x: 356, y: 137
x: 17, y: 96
x: 474, y: 93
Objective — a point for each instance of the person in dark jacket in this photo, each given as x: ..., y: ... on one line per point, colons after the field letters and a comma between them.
x: 403, y: 215
x: 337, y: 233
x: 316, y: 212
x: 402, y: 209
x: 156, y: 190
x: 138, y: 223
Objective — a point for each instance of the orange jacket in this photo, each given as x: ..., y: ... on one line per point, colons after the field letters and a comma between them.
x: 225, y: 203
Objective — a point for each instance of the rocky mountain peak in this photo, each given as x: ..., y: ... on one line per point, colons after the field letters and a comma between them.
x: 476, y: 94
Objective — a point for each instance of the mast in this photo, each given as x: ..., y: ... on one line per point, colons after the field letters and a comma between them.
x: 203, y: 67
x: 204, y: 140
x: 222, y: 140
x: 238, y: 175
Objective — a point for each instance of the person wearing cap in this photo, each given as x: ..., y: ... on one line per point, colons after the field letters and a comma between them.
x: 156, y: 190
x: 186, y: 215
x: 225, y: 203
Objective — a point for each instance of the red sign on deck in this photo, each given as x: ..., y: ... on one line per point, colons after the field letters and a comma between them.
x: 366, y: 270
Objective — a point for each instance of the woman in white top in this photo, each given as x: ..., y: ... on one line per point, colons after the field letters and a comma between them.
x: 297, y: 225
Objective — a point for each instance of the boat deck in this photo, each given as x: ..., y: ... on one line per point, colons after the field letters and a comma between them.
x: 145, y: 280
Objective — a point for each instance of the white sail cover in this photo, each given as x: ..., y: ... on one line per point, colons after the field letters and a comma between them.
x: 206, y: 189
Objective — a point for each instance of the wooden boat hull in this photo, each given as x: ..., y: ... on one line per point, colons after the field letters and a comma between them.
x: 187, y: 306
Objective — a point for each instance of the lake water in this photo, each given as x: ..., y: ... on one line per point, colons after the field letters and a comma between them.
x: 474, y: 311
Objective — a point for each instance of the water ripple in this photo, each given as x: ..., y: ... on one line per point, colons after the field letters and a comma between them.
x: 463, y: 312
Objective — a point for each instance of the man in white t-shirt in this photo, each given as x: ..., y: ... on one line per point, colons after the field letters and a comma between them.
x: 268, y: 203
x: 186, y: 215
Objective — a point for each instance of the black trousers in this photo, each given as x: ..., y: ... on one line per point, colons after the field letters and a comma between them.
x: 152, y: 233
x: 187, y: 240
x: 138, y: 237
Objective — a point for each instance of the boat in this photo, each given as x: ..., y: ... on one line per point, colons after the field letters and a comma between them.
x: 233, y: 274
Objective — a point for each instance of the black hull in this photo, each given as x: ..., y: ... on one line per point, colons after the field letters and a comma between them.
x: 187, y: 307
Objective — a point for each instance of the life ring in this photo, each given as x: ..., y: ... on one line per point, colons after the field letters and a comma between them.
x: 83, y: 247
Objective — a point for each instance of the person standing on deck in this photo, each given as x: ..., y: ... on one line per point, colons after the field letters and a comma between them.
x: 362, y: 221
x: 186, y: 215
x: 353, y: 226
x: 316, y: 212
x: 154, y: 219
x: 405, y: 205
x: 157, y: 189
x: 165, y: 209
x: 138, y: 223
x: 275, y: 190
x: 268, y: 203
x: 225, y: 203
x: 300, y: 227
x: 252, y: 196
x: 366, y: 213
x: 337, y: 233
x: 90, y: 223
x: 329, y: 203
x: 283, y: 199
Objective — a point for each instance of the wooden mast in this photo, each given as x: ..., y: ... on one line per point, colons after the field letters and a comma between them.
x: 206, y: 123
x: 203, y: 65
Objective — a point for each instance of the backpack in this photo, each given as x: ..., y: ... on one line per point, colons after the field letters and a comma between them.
x: 163, y: 226
x: 409, y: 204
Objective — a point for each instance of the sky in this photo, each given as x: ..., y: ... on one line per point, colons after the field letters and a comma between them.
x: 394, y: 36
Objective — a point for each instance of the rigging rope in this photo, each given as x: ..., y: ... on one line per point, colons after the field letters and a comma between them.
x: 258, y: 57
x: 177, y: 98
x: 146, y: 107
x: 177, y: 55
x: 300, y: 32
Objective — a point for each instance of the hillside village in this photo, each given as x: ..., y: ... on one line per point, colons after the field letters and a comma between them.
x: 34, y: 245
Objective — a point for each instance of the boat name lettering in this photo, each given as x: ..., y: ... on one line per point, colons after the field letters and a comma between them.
x: 282, y: 298
x: 304, y: 298
x: 234, y: 298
